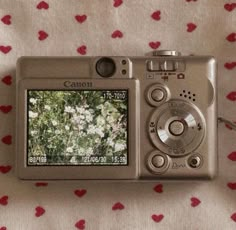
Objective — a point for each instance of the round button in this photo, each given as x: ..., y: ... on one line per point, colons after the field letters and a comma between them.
x: 194, y: 161
x: 176, y: 128
x: 158, y: 161
x: 157, y: 95
x: 105, y: 67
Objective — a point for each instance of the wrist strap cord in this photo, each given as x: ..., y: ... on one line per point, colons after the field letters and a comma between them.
x: 227, y: 122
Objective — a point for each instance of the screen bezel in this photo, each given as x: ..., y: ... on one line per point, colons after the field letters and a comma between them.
x: 77, y: 90
x: 129, y: 171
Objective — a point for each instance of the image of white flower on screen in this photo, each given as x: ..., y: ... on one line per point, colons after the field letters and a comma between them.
x: 73, y: 160
x: 120, y: 147
x: 89, y: 151
x: 81, y: 151
x: 69, y: 109
x: 33, y: 132
x: 32, y: 114
x: 100, y: 121
x: 91, y: 129
x: 69, y: 150
x: 33, y: 101
x: 110, y: 142
x: 99, y: 131
x: 57, y: 132
x: 54, y: 123
x: 67, y: 127
x: 97, y: 140
x: 110, y: 119
x: 47, y: 107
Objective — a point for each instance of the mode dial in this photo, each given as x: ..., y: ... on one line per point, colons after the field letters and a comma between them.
x: 166, y: 53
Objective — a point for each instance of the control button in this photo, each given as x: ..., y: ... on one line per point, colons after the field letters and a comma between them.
x: 157, y: 95
x: 194, y: 161
x: 153, y: 66
x: 176, y: 128
x: 158, y: 161
x: 149, y: 66
x: 169, y: 66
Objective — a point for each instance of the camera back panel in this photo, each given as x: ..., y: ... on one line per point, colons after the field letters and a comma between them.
x: 165, y: 109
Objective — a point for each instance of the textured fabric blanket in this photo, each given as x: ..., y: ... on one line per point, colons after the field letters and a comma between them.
x: 118, y: 27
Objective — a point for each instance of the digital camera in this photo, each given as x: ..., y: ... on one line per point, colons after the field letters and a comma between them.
x: 117, y: 118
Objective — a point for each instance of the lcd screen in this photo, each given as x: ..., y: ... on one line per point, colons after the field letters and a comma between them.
x: 82, y: 127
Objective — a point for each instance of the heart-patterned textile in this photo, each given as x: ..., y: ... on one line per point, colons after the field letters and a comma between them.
x: 126, y: 28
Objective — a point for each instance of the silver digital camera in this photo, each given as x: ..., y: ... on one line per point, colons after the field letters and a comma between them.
x: 117, y: 118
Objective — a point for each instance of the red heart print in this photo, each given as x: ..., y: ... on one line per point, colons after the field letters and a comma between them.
x: 230, y: 6
x: 42, y: 35
x: 80, y: 192
x: 117, y: 34
x: 118, y: 206
x: 3, y: 228
x: 6, y: 19
x: 228, y: 126
x: 232, y: 156
x: 232, y: 96
x: 233, y: 216
x: 7, y: 80
x: 80, y: 18
x: 158, y: 188
x: 5, y: 108
x: 43, y: 5
x: 82, y: 50
x: 231, y: 37
x: 157, y: 218
x: 156, y: 15
x: 191, y: 27
x: 39, y: 211
x: 232, y: 185
x: 117, y: 3
x: 230, y: 65
x: 195, y: 201
x: 80, y: 224
x: 4, y: 200
x: 7, y: 140
x: 154, y: 45
x: 5, y: 49
x: 5, y: 169
x: 41, y: 184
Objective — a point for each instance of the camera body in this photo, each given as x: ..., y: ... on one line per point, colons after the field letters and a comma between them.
x: 117, y: 118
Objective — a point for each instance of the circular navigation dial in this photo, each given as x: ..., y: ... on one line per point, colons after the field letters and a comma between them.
x: 176, y: 128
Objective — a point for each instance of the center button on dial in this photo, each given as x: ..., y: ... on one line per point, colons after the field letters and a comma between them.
x: 176, y: 127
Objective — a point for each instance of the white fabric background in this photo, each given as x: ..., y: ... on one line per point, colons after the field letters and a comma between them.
x: 63, y: 209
